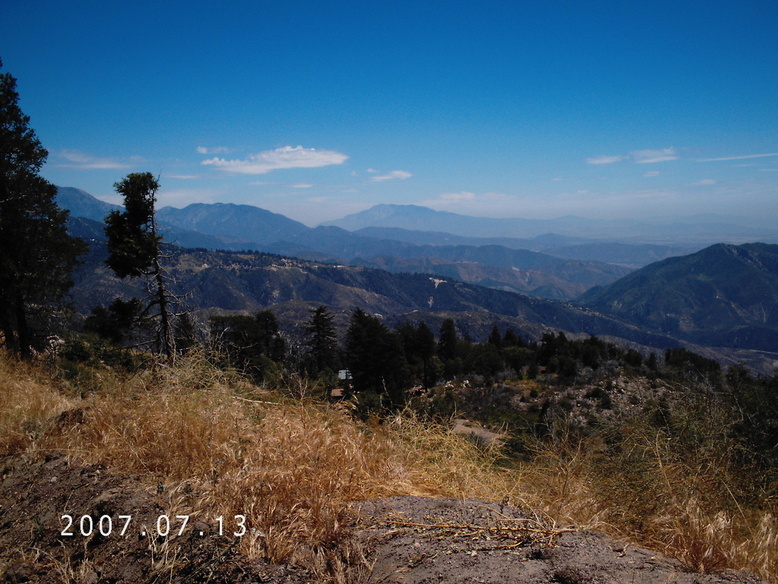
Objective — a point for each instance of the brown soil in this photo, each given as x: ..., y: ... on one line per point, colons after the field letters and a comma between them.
x: 410, y: 539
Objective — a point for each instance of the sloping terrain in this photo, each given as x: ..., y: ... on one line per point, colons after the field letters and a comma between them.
x: 232, y: 281
x: 724, y: 295
x: 631, y: 255
x: 238, y: 223
x: 401, y: 539
x: 561, y: 280
x: 245, y: 227
x: 692, y: 230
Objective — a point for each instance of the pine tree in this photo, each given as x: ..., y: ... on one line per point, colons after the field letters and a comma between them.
x: 135, y: 247
x: 322, y: 340
x: 447, y: 345
x: 375, y: 357
x: 37, y: 255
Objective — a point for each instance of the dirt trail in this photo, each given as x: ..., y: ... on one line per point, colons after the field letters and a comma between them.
x: 424, y: 540
x: 412, y: 539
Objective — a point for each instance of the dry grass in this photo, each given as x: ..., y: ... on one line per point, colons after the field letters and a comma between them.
x: 225, y: 447
x: 683, y: 504
x: 29, y: 405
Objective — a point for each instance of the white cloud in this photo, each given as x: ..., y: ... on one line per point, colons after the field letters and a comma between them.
x: 215, y: 150
x: 705, y: 182
x: 604, y: 159
x: 638, y: 157
x: 651, y: 156
x: 77, y: 159
x: 455, y: 197
x: 652, y: 174
x: 183, y: 197
x: 474, y: 203
x: 738, y: 157
x: 303, y: 186
x: 395, y: 174
x: 280, y: 158
x: 182, y: 176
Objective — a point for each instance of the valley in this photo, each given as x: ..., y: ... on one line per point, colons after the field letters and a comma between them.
x: 719, y: 301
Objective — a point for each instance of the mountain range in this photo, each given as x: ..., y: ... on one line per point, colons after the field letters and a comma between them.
x: 721, y: 300
x: 723, y: 295
x: 227, y: 281
x: 244, y: 227
x: 702, y: 229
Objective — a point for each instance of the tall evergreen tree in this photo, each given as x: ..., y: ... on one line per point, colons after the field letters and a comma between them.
x: 447, y: 345
x: 135, y: 247
x: 375, y: 357
x: 37, y: 255
x: 322, y: 341
x: 419, y: 345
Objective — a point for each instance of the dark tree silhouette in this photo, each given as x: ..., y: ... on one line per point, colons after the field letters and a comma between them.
x: 250, y: 342
x: 322, y: 341
x: 375, y: 357
x: 135, y: 247
x: 37, y: 255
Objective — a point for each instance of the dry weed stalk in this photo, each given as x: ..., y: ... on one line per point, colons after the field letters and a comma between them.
x: 29, y: 406
x: 293, y: 466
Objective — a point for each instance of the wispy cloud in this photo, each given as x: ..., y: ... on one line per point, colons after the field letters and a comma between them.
x: 604, y: 159
x: 183, y: 197
x: 393, y: 175
x: 705, y: 182
x: 182, y: 176
x: 83, y: 161
x: 280, y: 158
x: 746, y: 157
x: 652, y: 156
x: 476, y: 203
x: 637, y: 156
x: 652, y: 174
x: 456, y: 197
x: 212, y: 150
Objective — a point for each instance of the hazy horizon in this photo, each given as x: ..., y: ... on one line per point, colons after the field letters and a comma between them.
x: 536, y: 110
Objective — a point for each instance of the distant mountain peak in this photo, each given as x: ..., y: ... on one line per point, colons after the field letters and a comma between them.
x: 82, y: 204
x: 724, y: 295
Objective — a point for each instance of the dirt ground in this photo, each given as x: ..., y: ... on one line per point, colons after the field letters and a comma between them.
x: 410, y: 539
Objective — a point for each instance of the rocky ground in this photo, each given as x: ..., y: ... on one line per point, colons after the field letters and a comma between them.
x: 408, y: 539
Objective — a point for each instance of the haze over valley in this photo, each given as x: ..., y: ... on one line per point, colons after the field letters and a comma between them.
x: 646, y: 294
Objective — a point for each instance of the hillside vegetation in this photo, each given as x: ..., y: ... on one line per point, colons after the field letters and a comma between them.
x: 673, y: 462
x: 724, y: 295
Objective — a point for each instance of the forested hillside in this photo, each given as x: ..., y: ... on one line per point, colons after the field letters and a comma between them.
x: 724, y: 295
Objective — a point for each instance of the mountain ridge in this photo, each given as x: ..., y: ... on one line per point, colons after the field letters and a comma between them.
x: 678, y: 230
x: 724, y: 295
x: 244, y: 227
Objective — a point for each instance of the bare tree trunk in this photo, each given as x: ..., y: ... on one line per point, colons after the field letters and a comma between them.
x: 168, y: 347
x: 168, y: 338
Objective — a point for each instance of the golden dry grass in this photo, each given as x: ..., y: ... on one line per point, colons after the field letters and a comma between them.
x: 29, y: 405
x: 225, y: 447
x: 648, y: 497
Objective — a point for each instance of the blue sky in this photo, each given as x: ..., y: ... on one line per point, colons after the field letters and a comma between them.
x: 318, y: 109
